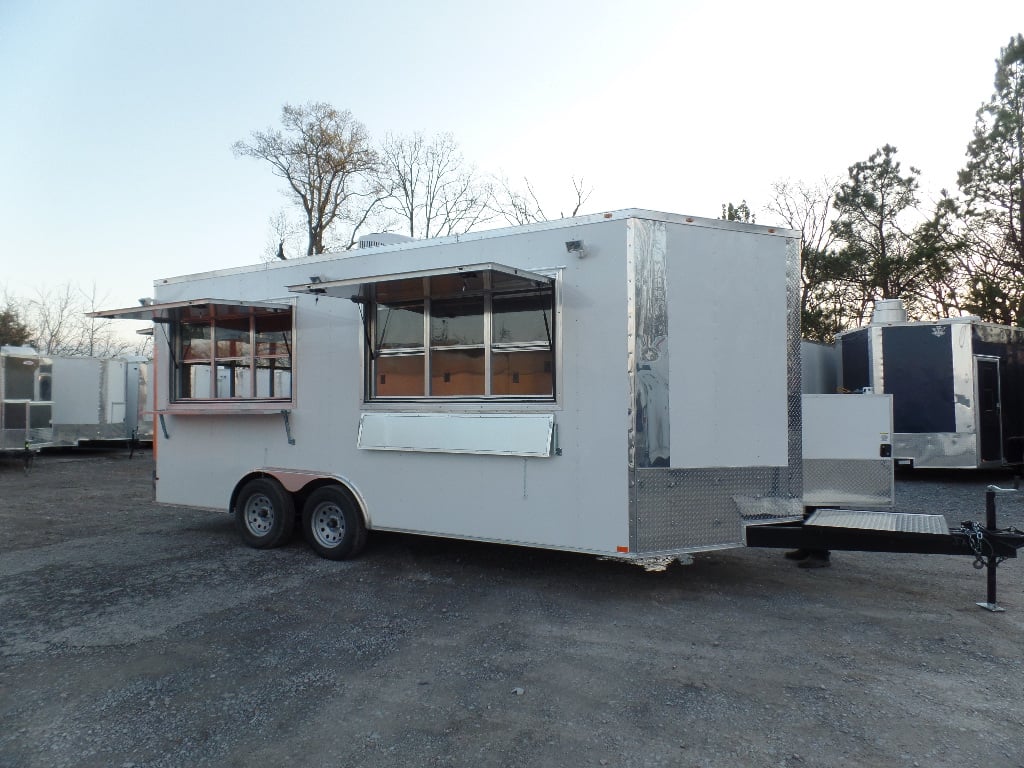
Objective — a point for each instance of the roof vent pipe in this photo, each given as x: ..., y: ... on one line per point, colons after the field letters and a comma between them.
x: 889, y: 311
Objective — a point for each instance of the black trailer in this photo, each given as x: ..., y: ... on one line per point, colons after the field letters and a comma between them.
x: 957, y: 387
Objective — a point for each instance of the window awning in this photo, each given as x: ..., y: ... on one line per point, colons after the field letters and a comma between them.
x: 352, y: 288
x: 158, y: 312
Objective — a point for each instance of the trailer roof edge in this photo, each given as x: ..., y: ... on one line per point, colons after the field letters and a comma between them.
x: 567, y: 223
x: 149, y: 311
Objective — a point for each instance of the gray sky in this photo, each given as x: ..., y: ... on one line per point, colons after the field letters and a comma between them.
x: 119, y: 116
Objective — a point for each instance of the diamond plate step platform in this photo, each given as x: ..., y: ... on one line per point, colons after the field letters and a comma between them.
x: 894, y: 522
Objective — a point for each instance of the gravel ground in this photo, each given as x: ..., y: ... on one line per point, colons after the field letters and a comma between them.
x: 134, y: 635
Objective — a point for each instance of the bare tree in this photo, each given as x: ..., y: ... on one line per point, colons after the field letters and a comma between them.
x: 58, y: 324
x: 807, y: 208
x: 827, y: 302
x: 522, y: 206
x: 324, y: 156
x: 285, y: 237
x: 432, y: 190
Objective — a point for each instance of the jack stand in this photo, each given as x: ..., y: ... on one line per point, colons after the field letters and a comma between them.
x: 990, y: 603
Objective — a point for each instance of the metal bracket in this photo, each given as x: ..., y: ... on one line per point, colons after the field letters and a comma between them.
x: 993, y: 607
x: 288, y: 427
x: 163, y: 427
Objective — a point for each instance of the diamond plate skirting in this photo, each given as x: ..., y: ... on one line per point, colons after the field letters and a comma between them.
x: 695, y: 509
x: 848, y: 482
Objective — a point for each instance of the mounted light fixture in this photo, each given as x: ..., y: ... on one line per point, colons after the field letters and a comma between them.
x: 577, y: 247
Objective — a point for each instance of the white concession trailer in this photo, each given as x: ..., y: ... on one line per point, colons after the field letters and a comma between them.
x: 625, y: 384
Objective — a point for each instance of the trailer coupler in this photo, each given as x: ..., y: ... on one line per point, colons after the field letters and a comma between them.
x: 853, y: 531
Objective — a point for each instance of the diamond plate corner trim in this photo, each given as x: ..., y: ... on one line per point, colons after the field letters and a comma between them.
x: 794, y: 486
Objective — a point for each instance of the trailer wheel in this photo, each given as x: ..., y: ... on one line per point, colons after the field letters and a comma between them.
x: 333, y: 524
x: 264, y: 514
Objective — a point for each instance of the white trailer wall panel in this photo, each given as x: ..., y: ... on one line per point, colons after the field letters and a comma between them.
x: 100, y: 399
x: 729, y: 378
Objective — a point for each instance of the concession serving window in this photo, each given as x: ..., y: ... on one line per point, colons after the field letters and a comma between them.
x: 223, y: 351
x: 480, y: 331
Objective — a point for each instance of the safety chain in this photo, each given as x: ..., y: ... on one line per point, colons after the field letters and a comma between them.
x: 975, y: 538
x: 975, y: 534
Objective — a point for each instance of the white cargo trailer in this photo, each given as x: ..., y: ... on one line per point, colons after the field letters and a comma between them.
x: 101, y: 400
x: 26, y: 400
x: 624, y: 384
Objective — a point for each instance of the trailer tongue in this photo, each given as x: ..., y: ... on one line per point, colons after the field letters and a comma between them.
x: 858, y: 531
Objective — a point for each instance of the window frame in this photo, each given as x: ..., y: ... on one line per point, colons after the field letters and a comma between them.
x: 206, y: 315
x: 372, y: 351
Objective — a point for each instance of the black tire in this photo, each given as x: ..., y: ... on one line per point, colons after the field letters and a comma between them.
x: 333, y: 524
x: 264, y: 514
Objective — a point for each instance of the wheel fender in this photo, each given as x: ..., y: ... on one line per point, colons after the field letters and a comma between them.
x: 297, y: 480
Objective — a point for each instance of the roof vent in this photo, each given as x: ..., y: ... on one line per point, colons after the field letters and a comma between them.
x: 889, y: 311
x: 377, y: 239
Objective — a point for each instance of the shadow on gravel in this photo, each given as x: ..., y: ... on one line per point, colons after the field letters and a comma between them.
x: 450, y: 558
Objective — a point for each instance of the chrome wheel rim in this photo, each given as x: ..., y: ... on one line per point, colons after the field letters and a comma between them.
x: 259, y: 514
x: 327, y: 524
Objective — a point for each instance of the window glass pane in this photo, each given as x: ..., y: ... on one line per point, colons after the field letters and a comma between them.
x: 457, y: 322
x: 195, y: 381
x: 234, y: 380
x: 502, y: 281
x: 195, y: 341
x: 458, y: 372
x: 522, y: 373
x: 399, y: 327
x: 46, y: 383
x: 15, y: 416
x: 274, y: 334
x: 40, y: 416
x: 274, y: 377
x: 400, y: 290
x: 195, y: 313
x: 457, y: 284
x: 521, y: 318
x: 399, y: 376
x: 20, y: 378
x: 240, y: 371
x: 233, y: 337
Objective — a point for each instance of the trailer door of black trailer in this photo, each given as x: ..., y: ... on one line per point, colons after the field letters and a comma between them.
x: 990, y: 424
